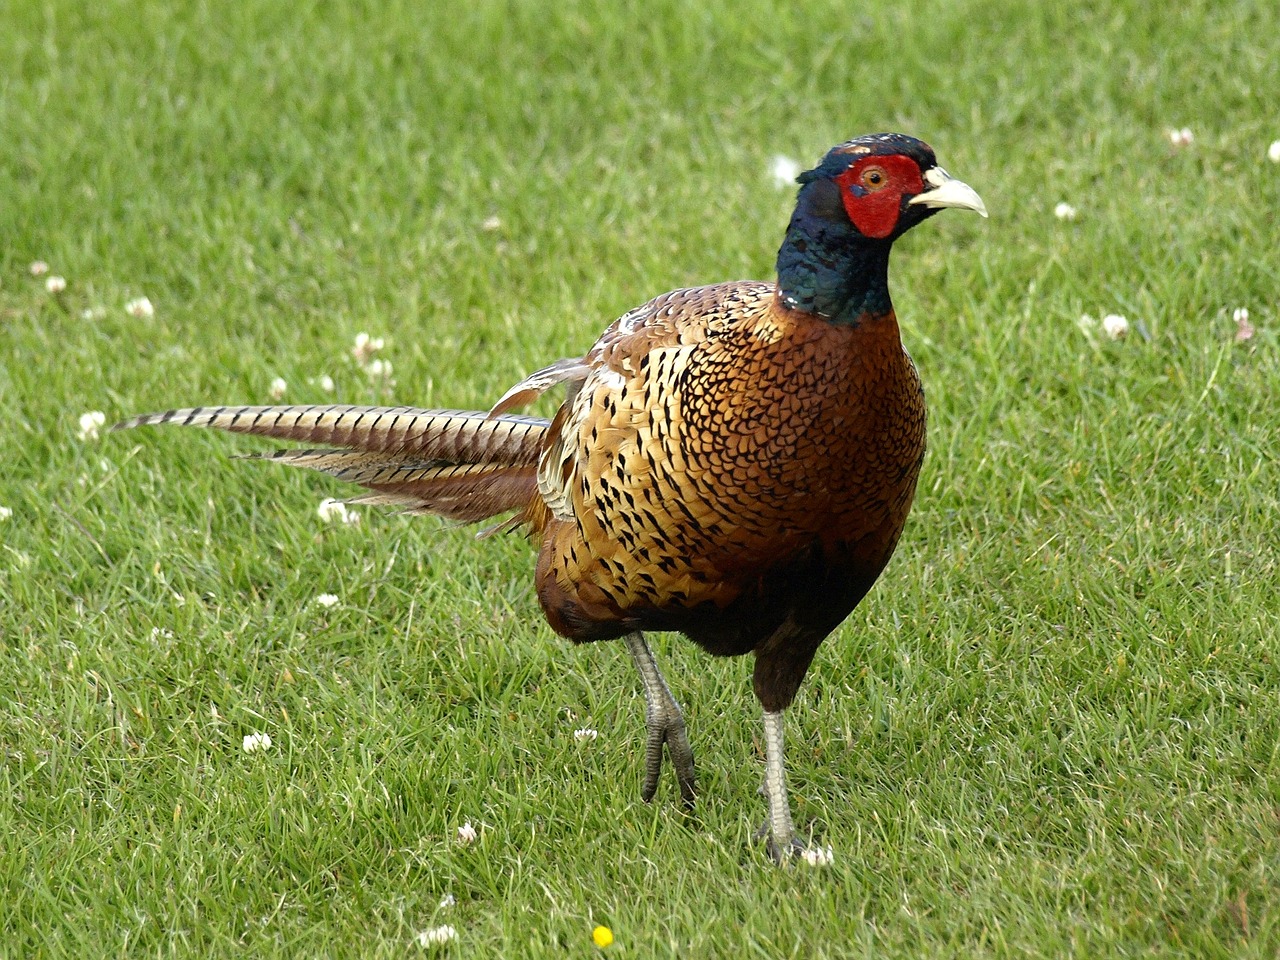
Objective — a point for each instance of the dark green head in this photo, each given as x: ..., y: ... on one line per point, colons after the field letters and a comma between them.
x: 851, y: 207
x: 887, y: 183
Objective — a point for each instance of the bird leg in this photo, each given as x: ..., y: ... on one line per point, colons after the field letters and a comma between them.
x: 779, y: 829
x: 664, y: 723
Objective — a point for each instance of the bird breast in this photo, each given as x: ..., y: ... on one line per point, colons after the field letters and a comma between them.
x: 688, y: 464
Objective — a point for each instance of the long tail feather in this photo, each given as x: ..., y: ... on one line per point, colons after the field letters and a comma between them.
x: 466, y: 465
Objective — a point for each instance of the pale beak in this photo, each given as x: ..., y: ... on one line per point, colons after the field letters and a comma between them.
x: 945, y: 190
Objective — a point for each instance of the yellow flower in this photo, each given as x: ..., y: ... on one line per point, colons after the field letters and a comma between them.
x: 602, y: 936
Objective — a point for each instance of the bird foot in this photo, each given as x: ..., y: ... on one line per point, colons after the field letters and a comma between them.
x: 792, y: 848
x: 665, y: 725
x: 784, y: 853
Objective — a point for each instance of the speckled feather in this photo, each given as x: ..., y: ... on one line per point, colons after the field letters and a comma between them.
x: 723, y: 459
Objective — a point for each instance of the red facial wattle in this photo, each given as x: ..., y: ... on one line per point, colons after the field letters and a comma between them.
x: 874, y: 207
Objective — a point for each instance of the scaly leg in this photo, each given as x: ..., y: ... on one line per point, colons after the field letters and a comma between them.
x: 664, y: 723
x: 781, y: 832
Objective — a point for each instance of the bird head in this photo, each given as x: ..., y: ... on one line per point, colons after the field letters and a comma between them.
x: 885, y: 184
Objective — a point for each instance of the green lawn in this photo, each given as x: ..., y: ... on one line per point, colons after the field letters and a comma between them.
x: 1053, y: 729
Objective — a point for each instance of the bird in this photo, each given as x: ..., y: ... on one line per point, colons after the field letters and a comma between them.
x: 732, y: 462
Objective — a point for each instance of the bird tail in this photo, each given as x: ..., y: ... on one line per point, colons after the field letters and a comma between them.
x: 464, y: 465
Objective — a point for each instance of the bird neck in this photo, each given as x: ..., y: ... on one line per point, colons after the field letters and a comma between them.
x: 826, y: 267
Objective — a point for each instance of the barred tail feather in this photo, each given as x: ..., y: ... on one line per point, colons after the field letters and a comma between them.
x: 452, y: 434
x: 459, y: 491
x: 466, y: 465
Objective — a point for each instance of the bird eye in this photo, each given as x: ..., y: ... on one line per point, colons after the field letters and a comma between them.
x: 873, y: 178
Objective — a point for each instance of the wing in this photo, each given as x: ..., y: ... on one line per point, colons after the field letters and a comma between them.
x: 649, y: 514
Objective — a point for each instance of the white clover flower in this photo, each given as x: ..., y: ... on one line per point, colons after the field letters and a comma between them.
x: 325, y: 383
x: 586, y: 733
x: 327, y: 600
x: 331, y: 510
x: 1064, y: 211
x: 1181, y: 137
x: 1273, y: 151
x: 6, y: 513
x: 1244, y: 329
x: 783, y: 171
x: 447, y: 901
x: 140, y: 307
x: 490, y: 224
x: 467, y: 834
x: 55, y: 284
x: 436, y: 936
x: 278, y: 388
x: 365, y: 347
x: 256, y: 742
x: 818, y: 857
x: 38, y: 268
x: 93, y: 313
x: 159, y: 633
x: 1115, y: 326
x: 89, y: 424
x: 378, y: 369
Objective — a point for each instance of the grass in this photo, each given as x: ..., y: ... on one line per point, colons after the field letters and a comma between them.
x: 1051, y: 730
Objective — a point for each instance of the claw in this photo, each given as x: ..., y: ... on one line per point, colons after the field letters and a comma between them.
x: 780, y: 852
x: 681, y: 755
x: 652, y: 755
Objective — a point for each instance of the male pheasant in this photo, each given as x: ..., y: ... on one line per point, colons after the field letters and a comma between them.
x: 734, y: 462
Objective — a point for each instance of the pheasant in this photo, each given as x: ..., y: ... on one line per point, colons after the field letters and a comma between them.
x: 734, y: 462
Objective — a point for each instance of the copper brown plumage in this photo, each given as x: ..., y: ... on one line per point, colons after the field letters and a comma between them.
x: 735, y: 462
